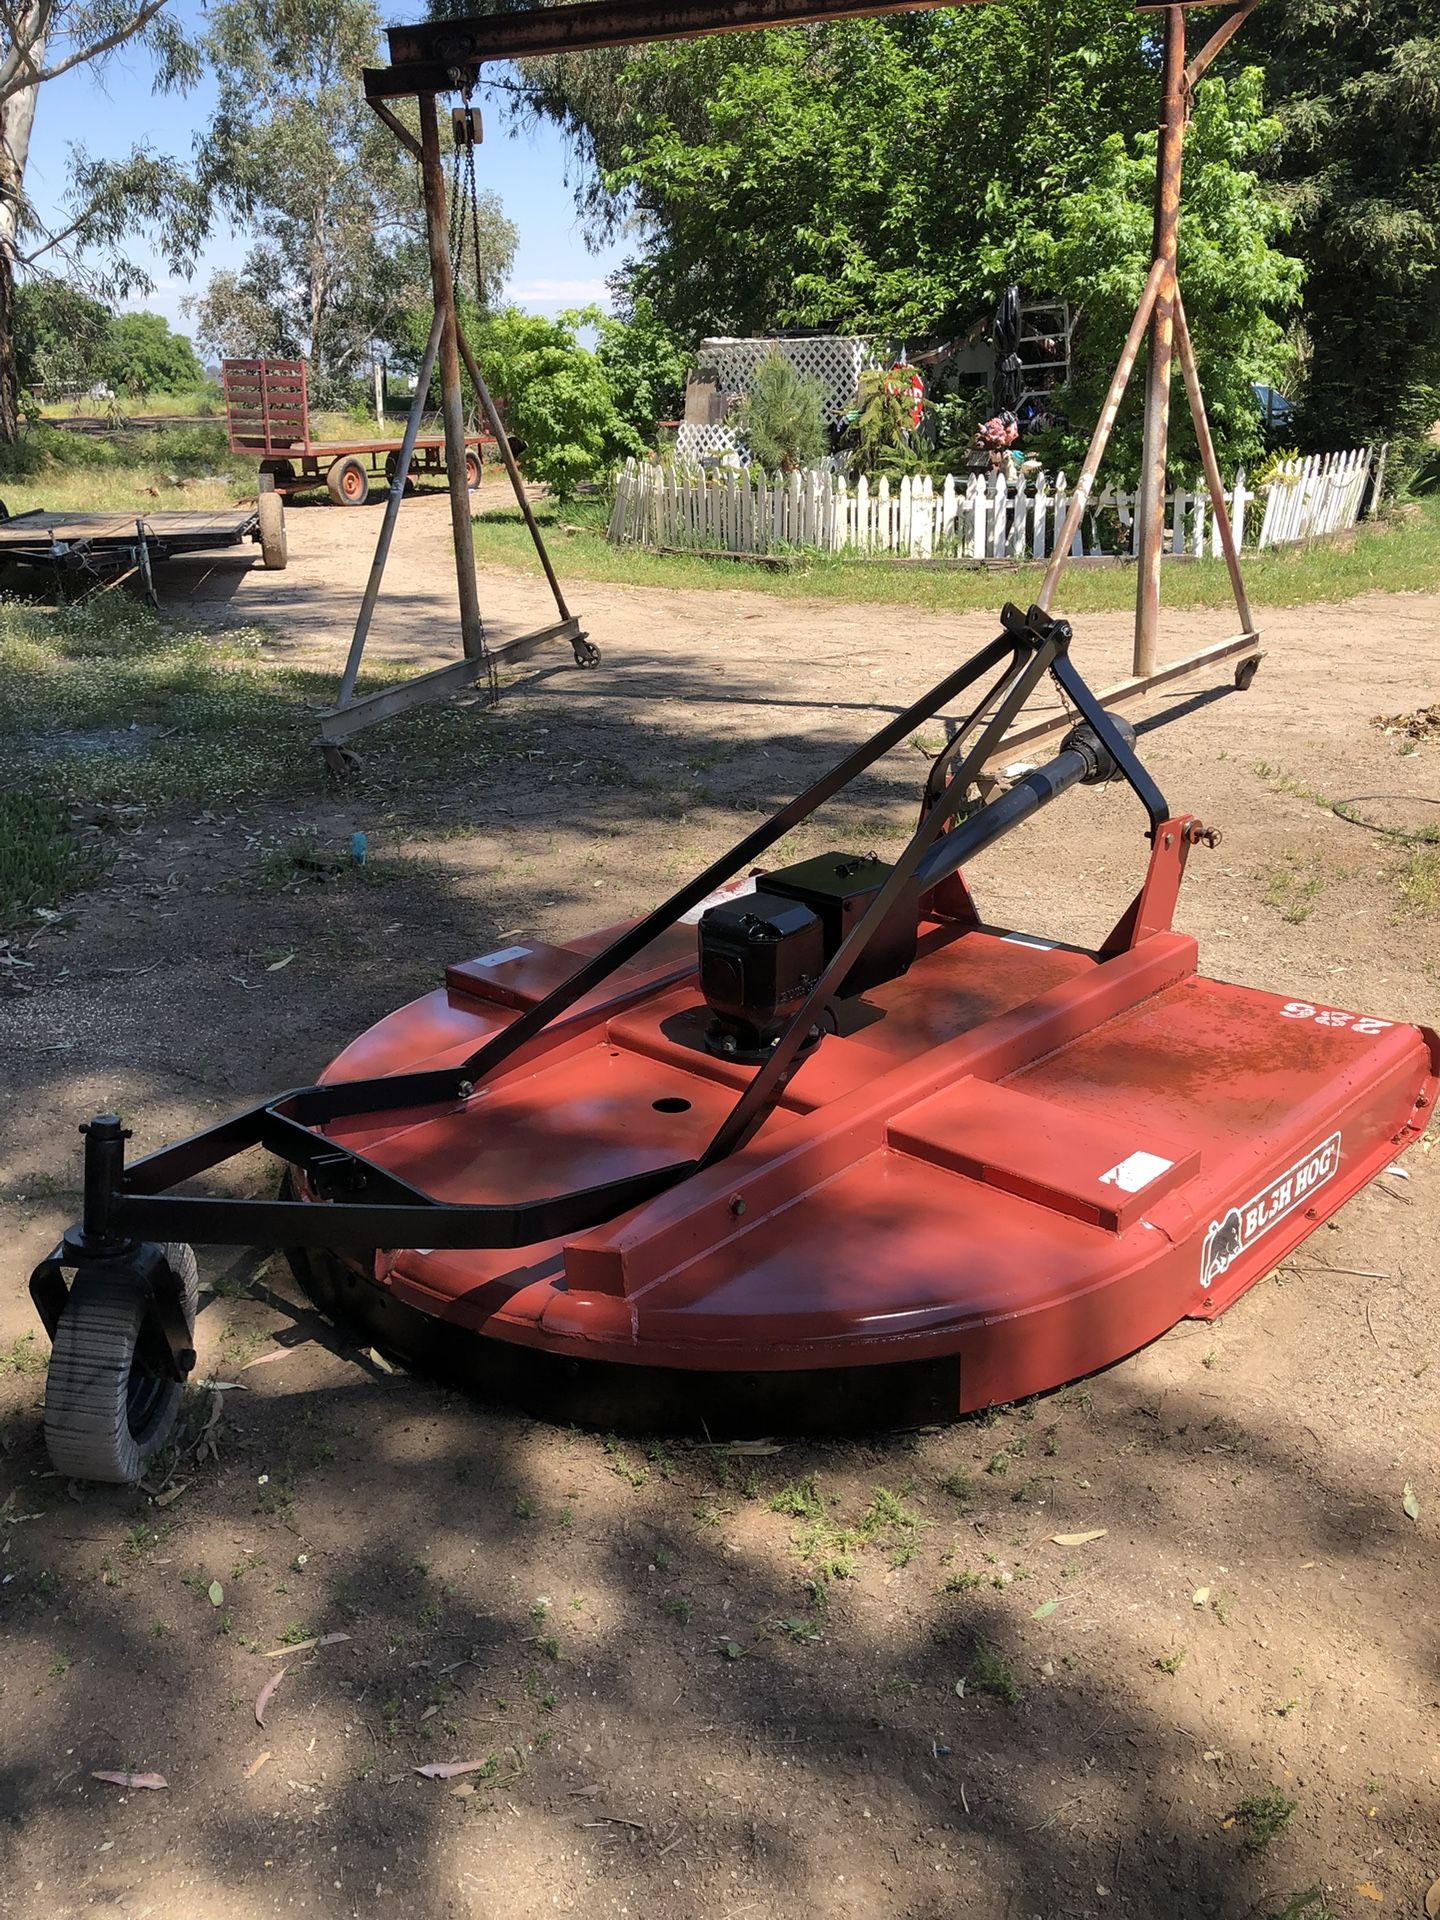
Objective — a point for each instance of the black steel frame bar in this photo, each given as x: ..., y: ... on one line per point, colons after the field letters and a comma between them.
x: 387, y: 1209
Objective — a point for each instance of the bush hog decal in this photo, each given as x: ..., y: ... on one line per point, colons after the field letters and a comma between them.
x: 1241, y: 1227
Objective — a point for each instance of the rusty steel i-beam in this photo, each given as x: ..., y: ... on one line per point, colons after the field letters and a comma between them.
x: 433, y: 54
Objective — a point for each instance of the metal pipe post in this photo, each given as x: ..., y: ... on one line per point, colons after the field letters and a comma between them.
x: 1095, y: 452
x: 1151, y: 516
x: 432, y: 179
x: 392, y: 514
x: 1218, y: 505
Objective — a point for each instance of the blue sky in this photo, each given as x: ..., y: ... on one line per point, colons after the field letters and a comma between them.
x: 113, y: 110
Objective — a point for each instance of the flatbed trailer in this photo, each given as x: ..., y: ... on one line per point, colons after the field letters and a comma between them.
x: 107, y: 547
x: 267, y: 413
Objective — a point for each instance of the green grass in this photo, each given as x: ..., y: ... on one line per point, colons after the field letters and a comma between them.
x: 1418, y: 878
x: 206, y: 399
x: 990, y: 1672
x: 183, y: 467
x: 1293, y: 888
x: 1394, y: 558
x: 1262, y: 1817
x: 40, y: 859
x: 109, y: 708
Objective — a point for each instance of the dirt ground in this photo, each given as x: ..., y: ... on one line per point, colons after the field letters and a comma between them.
x: 677, y: 1712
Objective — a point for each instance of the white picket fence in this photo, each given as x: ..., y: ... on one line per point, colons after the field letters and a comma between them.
x: 983, y: 517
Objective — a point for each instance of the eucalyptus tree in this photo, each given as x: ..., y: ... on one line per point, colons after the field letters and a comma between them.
x: 107, y: 200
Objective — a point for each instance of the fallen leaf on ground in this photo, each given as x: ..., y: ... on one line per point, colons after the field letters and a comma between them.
x: 256, y: 1764
x: 1044, y: 1610
x: 1079, y: 1539
x: 276, y: 965
x: 132, y: 1779
x: 1410, y: 1503
x: 752, y: 1449
x: 378, y: 1359
x: 276, y: 1353
x: 217, y: 1594
x: 262, y: 1699
x: 1200, y: 1597
x: 451, y: 1769
x: 1367, y: 1890
x: 304, y: 1646
x: 171, y: 1493
x: 1432, y: 1901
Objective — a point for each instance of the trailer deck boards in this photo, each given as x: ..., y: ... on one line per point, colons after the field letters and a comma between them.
x: 40, y: 530
x: 102, y: 546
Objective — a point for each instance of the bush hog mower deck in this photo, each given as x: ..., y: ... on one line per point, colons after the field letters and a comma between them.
x: 824, y: 1125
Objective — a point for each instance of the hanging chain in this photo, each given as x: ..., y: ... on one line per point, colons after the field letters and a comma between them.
x: 462, y: 191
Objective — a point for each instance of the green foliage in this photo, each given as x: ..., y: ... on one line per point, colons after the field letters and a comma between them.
x: 143, y: 356
x: 889, y: 177
x: 330, y: 196
x: 556, y: 398
x: 883, y: 429
x: 66, y: 342
x: 644, y: 362
x: 782, y: 416
x: 1096, y: 249
x: 60, y: 337
x: 1358, y: 87
x: 854, y: 176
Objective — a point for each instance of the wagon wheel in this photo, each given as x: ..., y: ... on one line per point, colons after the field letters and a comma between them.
x: 474, y: 470
x: 274, y: 547
x: 348, y: 482
x: 340, y: 762
x: 276, y: 473
x: 106, y: 1413
x: 392, y: 467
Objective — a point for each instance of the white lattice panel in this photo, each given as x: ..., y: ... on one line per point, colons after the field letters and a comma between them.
x: 692, y: 441
x: 829, y: 358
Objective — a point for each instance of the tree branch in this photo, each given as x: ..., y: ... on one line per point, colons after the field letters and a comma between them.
x: 21, y: 51
x: 107, y: 45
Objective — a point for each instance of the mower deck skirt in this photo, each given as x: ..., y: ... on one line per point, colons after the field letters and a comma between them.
x: 1023, y: 1160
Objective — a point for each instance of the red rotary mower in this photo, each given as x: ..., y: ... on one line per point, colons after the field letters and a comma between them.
x: 840, y: 1150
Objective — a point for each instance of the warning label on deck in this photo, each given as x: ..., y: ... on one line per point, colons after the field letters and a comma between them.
x: 1242, y: 1226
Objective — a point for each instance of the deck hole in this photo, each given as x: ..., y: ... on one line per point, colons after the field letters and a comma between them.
x: 671, y: 1104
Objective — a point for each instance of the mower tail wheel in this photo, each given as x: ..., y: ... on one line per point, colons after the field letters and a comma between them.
x: 106, y: 1414
x: 274, y: 547
x: 347, y: 481
x: 1245, y: 672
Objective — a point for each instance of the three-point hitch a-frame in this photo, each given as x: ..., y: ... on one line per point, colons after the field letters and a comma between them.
x: 445, y: 56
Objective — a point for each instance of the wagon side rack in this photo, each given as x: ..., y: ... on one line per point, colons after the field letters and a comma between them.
x: 267, y: 413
